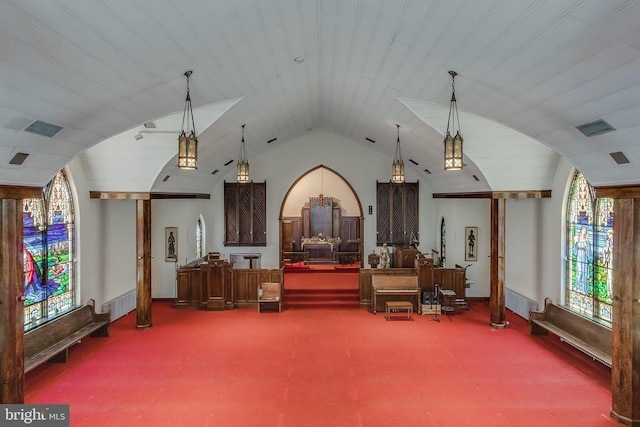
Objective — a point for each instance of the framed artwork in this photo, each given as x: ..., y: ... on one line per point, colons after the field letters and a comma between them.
x: 171, y: 244
x: 471, y: 243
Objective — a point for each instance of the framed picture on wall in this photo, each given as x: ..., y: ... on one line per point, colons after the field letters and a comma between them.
x: 171, y: 244
x: 471, y: 243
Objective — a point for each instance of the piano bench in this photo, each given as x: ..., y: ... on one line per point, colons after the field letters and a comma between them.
x: 399, y: 306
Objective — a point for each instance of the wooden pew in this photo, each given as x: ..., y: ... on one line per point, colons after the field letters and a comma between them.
x: 584, y: 334
x: 51, y: 341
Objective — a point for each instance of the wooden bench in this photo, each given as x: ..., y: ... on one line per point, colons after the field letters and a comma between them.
x: 51, y: 341
x: 584, y: 334
x: 269, y: 294
x: 396, y: 306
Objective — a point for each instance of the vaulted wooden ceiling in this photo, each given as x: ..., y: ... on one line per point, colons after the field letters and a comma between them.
x: 529, y: 72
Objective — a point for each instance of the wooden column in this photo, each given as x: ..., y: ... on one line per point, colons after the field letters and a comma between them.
x: 11, y: 305
x: 496, y: 297
x: 625, y: 369
x: 143, y: 264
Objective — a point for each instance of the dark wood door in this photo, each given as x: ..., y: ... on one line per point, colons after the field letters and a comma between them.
x: 287, y: 236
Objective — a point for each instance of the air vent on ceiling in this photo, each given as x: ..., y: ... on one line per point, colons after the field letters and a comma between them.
x: 414, y: 162
x: 595, y: 128
x: 150, y: 125
x: 370, y: 140
x: 228, y: 163
x: 476, y: 178
x: 272, y: 140
x: 18, y: 159
x: 166, y: 178
x: 43, y: 128
x: 619, y: 157
x: 427, y: 171
x: 215, y: 171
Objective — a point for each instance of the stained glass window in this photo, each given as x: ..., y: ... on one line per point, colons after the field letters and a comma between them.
x: 48, y: 253
x: 589, y: 251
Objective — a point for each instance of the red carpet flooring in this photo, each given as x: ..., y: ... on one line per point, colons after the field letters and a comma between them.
x: 324, y: 367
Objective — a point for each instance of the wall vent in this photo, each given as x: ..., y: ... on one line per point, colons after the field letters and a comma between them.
x: 619, y: 157
x: 519, y: 304
x: 595, y: 128
x: 41, y: 128
x: 121, y: 305
x: 18, y: 159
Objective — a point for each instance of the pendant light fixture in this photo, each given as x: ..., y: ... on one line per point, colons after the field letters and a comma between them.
x: 397, y: 169
x: 188, y: 141
x: 453, y: 145
x: 243, y: 162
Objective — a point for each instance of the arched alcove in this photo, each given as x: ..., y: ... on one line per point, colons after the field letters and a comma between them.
x: 322, y: 210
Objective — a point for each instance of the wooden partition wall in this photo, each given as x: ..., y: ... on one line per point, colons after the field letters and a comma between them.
x: 213, y: 284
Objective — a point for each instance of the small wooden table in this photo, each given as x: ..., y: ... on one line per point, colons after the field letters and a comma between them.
x: 399, y: 306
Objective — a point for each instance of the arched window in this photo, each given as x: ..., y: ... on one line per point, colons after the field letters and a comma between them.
x: 49, y: 289
x: 589, y: 251
x: 200, y: 237
x: 443, y: 244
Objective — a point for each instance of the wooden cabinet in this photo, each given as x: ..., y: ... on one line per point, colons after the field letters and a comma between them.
x: 245, y: 208
x: 404, y: 256
x: 397, y: 214
x: 452, y: 278
x: 424, y: 266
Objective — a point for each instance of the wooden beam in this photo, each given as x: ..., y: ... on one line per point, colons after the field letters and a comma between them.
x: 20, y: 192
x: 496, y: 295
x: 143, y: 264
x: 121, y: 195
x: 618, y: 192
x: 625, y: 357
x: 11, y: 305
x: 529, y: 194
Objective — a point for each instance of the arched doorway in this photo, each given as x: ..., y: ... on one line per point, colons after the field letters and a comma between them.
x: 322, y: 209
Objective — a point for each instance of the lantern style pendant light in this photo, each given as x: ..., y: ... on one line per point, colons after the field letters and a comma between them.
x: 453, y: 145
x: 243, y: 162
x: 188, y: 141
x: 397, y: 169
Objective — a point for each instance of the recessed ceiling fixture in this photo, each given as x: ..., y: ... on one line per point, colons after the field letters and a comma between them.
x: 453, y: 145
x: 18, y: 159
x: 243, y: 162
x: 397, y: 169
x: 619, y: 158
x: 597, y: 127
x: 298, y: 59
x: 41, y: 128
x: 188, y: 141
x: 150, y: 125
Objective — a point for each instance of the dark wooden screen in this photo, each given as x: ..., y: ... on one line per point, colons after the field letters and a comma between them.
x: 245, y: 208
x: 397, y: 213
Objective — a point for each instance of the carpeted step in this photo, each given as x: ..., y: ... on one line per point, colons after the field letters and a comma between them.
x: 321, y: 298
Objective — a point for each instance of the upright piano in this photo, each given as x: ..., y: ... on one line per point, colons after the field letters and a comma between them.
x: 394, y: 288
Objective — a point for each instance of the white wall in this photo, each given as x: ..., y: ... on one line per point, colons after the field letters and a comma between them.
x: 107, y: 227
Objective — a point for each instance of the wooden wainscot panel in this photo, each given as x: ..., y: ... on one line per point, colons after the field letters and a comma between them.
x: 246, y: 281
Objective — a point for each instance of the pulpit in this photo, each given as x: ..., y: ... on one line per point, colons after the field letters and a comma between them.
x: 206, y: 284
